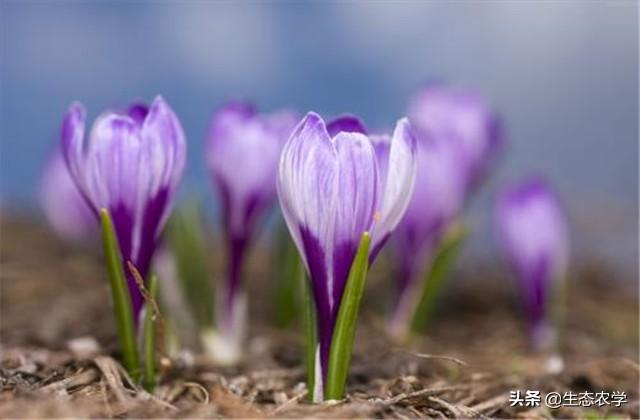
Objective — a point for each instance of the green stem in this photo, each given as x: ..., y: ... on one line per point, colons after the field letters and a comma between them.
x: 345, y: 328
x: 311, y: 337
x: 121, y: 298
x: 149, y: 337
x: 445, y: 256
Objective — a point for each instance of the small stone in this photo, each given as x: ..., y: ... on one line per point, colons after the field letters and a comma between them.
x: 83, y: 347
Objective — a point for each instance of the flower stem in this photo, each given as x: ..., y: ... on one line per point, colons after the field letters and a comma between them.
x: 149, y: 337
x: 345, y: 328
x: 121, y: 299
x: 445, y: 256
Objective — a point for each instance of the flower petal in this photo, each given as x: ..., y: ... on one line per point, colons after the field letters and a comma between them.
x: 356, y: 203
x: 532, y: 227
x: 239, y: 137
x: 65, y: 208
x: 397, y: 159
x: 464, y: 117
x: 138, y: 112
x: 307, y: 191
x: 72, y: 145
x: 346, y: 123
x: 307, y: 181
x: 532, y: 230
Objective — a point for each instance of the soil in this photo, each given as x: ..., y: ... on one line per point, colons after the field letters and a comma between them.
x: 58, y: 356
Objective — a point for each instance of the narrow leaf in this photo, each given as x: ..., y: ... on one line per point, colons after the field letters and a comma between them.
x: 289, y: 279
x: 445, y: 257
x: 121, y: 298
x: 188, y: 244
x: 149, y: 337
x: 311, y: 337
x: 345, y: 329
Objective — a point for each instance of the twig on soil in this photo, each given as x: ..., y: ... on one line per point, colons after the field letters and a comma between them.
x: 289, y: 402
x: 113, y: 377
x: 491, y: 404
x: 437, y: 356
x: 200, y: 388
x: 105, y: 397
x: 460, y: 411
x: 420, y: 393
x: 81, y: 378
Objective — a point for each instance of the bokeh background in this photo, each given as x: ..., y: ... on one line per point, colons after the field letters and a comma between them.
x: 564, y: 75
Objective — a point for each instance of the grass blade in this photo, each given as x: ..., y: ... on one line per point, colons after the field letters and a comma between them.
x: 149, y: 337
x: 445, y: 256
x: 345, y: 329
x: 121, y: 298
x: 187, y: 241
x: 311, y: 336
x: 290, y: 278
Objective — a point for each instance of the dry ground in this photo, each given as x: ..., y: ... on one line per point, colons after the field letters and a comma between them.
x: 473, y: 354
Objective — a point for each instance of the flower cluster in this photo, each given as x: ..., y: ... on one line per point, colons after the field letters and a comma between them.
x: 343, y: 193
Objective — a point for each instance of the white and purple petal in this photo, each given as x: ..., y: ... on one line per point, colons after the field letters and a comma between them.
x: 397, y: 164
x: 532, y: 231
x: 437, y: 200
x: 461, y: 116
x: 242, y: 154
x: 131, y: 165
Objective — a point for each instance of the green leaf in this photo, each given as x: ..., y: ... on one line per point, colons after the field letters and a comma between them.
x: 149, y: 336
x: 289, y: 280
x: 345, y: 328
x: 185, y: 233
x: 445, y: 256
x: 121, y: 298
x: 311, y: 336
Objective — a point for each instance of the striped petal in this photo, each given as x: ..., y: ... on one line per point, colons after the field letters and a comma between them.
x: 241, y: 138
x: 532, y: 232
x: 397, y: 161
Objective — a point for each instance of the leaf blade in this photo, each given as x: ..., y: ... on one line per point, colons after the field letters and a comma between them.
x: 121, y: 298
x: 345, y: 328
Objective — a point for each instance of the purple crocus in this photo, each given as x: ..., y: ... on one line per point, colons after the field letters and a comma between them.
x: 243, y: 148
x: 462, y: 116
x: 63, y: 205
x: 437, y: 201
x: 130, y: 164
x: 334, y: 184
x: 532, y: 231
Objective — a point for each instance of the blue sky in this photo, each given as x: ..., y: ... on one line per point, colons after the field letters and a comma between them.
x: 563, y: 74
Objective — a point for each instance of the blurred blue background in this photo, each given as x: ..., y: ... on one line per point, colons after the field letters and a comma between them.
x: 563, y: 75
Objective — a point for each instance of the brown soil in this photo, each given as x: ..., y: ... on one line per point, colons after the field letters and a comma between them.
x: 473, y: 354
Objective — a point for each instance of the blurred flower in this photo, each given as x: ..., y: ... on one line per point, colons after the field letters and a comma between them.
x: 334, y: 186
x: 63, y: 205
x: 131, y: 165
x: 437, y: 201
x: 465, y: 117
x: 532, y: 232
x: 242, y: 153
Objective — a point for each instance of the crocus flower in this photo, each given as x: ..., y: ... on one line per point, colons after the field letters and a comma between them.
x: 462, y: 116
x: 242, y: 153
x: 531, y: 228
x: 437, y: 201
x: 131, y: 165
x: 334, y: 184
x: 63, y: 205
